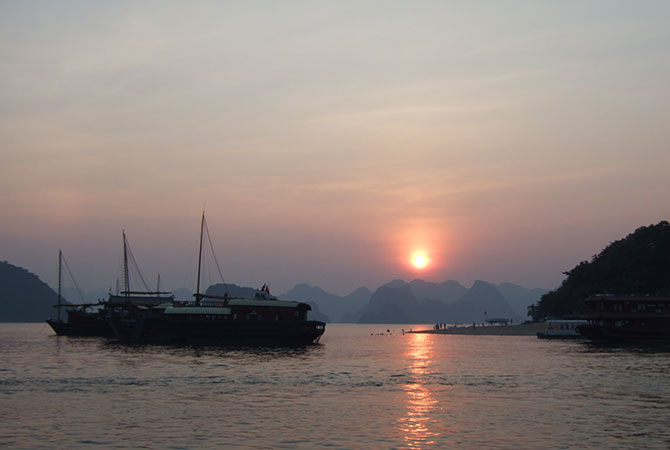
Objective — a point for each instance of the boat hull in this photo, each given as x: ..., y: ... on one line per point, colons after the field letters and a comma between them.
x: 545, y: 335
x: 82, y: 324
x: 601, y: 333
x: 145, y: 329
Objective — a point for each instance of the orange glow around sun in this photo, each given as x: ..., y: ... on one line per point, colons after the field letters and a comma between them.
x: 419, y: 260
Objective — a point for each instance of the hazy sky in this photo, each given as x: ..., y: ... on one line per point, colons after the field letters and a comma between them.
x: 327, y: 141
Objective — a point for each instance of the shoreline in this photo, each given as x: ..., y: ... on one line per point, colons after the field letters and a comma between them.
x: 526, y: 329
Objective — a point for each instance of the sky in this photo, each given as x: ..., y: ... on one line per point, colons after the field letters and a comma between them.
x: 327, y: 142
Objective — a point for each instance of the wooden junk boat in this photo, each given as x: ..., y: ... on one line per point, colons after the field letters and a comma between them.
x: 216, y: 320
x: 627, y: 319
x: 82, y: 318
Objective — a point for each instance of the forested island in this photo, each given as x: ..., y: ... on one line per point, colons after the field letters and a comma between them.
x: 638, y: 264
x: 23, y: 296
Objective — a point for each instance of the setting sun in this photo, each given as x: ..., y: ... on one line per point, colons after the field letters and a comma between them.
x: 419, y: 260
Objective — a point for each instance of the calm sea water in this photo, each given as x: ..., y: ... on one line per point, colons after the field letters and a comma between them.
x: 358, y: 389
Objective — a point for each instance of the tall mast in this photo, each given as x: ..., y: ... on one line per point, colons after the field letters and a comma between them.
x: 158, y: 286
x: 197, y: 286
x: 126, y: 279
x: 60, y: 276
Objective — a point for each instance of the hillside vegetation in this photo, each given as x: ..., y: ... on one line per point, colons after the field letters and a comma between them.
x: 24, y: 297
x: 637, y: 264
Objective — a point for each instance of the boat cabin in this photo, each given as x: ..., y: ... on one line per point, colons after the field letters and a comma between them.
x: 626, y: 307
x: 141, y: 298
x: 627, y: 318
x: 241, y: 309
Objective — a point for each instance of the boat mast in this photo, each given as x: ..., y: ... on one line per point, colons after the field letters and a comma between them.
x: 158, y: 286
x: 126, y: 280
x: 60, y: 276
x: 197, y: 286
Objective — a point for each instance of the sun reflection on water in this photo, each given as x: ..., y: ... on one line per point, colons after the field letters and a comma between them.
x: 417, y: 426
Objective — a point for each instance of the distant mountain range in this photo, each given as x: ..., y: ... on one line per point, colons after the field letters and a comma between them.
x: 337, y: 309
x: 420, y: 301
x: 639, y: 264
x: 25, y: 298
x: 75, y: 296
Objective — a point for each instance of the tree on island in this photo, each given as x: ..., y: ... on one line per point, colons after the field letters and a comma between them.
x: 638, y: 264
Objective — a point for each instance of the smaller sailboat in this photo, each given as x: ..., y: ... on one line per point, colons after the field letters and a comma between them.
x: 82, y: 319
x: 218, y: 320
x: 85, y: 320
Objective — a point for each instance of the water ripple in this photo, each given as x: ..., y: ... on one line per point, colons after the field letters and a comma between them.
x: 356, y: 390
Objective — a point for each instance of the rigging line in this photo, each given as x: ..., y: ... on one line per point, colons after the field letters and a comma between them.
x: 137, y: 269
x: 81, y: 295
x: 209, y: 269
x: 209, y: 239
x: 190, y: 269
x: 207, y: 277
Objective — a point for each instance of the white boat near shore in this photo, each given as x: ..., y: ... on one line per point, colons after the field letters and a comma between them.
x: 561, y: 329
